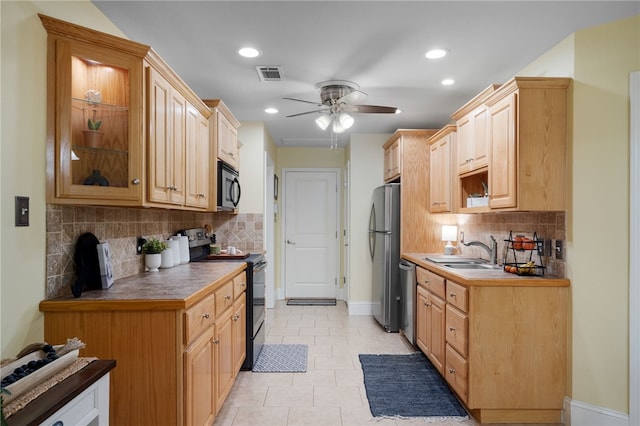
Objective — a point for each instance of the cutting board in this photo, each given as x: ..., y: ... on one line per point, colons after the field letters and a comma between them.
x: 224, y: 256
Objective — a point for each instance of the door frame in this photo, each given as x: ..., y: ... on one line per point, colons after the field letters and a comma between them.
x: 338, y: 249
x: 634, y: 249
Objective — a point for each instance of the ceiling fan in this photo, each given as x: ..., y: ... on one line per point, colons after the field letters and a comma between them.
x: 336, y: 105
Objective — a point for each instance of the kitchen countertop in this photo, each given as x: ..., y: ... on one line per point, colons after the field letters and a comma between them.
x: 174, y: 288
x: 485, y: 277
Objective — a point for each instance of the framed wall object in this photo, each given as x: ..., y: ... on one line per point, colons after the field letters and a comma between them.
x: 275, y: 187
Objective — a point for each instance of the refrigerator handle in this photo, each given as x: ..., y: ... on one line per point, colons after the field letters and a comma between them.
x: 372, y: 234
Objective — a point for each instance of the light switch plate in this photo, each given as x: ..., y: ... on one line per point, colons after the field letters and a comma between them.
x: 559, y: 249
x: 22, y: 211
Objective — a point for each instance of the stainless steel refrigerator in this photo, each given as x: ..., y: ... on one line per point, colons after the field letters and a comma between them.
x: 384, y: 245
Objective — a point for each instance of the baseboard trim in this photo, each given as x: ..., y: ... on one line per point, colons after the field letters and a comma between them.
x: 579, y: 413
x: 359, y: 308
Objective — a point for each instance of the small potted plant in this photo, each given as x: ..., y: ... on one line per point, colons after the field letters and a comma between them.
x: 152, y: 250
x: 93, y: 136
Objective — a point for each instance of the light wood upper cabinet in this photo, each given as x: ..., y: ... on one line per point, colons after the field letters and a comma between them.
x: 414, y: 175
x: 224, y: 132
x: 441, y: 147
x: 197, y: 183
x: 472, y: 138
x: 94, y: 82
x: 178, y: 161
x: 166, y: 141
x: 392, y: 160
x: 528, y: 139
x: 112, y: 103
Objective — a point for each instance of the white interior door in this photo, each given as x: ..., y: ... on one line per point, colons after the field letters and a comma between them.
x: 311, y: 233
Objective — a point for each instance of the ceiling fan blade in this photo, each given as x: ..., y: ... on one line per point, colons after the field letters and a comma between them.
x: 305, y: 113
x: 302, y: 100
x: 352, y: 97
x: 375, y: 109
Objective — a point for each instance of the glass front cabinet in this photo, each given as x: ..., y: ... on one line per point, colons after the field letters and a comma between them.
x: 96, y: 117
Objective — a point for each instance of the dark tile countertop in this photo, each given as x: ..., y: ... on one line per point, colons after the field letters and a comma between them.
x: 173, y: 288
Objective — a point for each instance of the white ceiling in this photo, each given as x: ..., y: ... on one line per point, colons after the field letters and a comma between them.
x: 378, y: 44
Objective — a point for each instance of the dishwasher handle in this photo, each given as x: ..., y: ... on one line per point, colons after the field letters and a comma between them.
x: 407, y: 266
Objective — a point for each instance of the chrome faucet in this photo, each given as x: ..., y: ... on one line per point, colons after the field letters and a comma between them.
x: 493, y: 251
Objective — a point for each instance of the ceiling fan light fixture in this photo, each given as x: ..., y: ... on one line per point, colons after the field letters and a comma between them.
x: 436, y: 53
x: 323, y: 121
x: 345, y: 120
x: 337, y: 127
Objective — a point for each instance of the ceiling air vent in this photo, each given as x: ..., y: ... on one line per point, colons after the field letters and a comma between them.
x: 269, y: 73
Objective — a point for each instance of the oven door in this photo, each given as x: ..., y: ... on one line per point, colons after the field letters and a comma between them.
x: 259, y: 289
x: 229, y: 190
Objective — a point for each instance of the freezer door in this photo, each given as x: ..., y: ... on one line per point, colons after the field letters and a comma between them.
x: 380, y: 272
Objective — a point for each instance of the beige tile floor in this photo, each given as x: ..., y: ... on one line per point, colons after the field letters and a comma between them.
x: 331, y: 392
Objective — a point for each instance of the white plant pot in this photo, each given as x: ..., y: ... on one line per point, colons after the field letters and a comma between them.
x: 153, y: 261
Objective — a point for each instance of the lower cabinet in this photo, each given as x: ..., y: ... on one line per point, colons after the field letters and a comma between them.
x: 504, y: 347
x: 175, y: 365
x: 199, y: 366
x: 224, y: 358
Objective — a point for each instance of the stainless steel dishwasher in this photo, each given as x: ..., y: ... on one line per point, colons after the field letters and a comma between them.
x: 408, y: 283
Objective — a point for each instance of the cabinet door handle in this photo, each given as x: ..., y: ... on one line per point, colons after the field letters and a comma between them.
x: 452, y: 329
x: 452, y: 294
x: 206, y: 316
x: 452, y: 371
x: 291, y: 242
x: 227, y: 297
x: 236, y: 317
x: 135, y: 181
x: 216, y: 341
x: 426, y: 281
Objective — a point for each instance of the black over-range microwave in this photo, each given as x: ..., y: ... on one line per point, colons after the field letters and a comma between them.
x: 228, y: 187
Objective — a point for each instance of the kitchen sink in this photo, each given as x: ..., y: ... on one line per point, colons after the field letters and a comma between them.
x: 471, y: 266
x: 457, y: 260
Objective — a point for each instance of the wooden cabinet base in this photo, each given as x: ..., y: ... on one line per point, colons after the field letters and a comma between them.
x: 517, y: 416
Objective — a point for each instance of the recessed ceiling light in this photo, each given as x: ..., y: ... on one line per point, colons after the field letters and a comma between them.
x: 271, y: 110
x: 249, y: 52
x: 447, y: 82
x: 436, y: 53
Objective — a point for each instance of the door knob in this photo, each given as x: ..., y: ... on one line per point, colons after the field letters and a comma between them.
x: 291, y: 242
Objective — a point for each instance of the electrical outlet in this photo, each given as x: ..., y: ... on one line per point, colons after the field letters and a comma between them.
x: 140, y: 242
x: 559, y: 249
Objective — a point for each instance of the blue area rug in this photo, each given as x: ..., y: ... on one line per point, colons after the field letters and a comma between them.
x: 407, y: 386
x: 282, y: 359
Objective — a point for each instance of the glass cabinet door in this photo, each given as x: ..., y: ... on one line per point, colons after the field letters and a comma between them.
x: 99, y: 118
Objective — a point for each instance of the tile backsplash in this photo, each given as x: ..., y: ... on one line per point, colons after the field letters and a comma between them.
x: 121, y: 226
x: 547, y: 225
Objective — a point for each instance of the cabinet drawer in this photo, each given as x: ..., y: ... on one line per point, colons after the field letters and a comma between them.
x: 224, y: 297
x: 90, y: 407
x: 456, y: 329
x: 199, y: 318
x: 433, y: 282
x: 457, y: 296
x: 239, y: 285
x: 456, y: 373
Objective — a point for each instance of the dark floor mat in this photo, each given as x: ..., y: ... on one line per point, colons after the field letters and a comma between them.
x: 311, y: 302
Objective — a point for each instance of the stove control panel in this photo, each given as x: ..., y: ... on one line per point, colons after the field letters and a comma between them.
x: 197, y: 237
